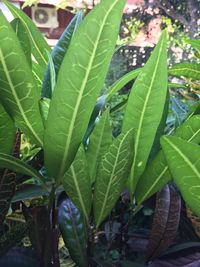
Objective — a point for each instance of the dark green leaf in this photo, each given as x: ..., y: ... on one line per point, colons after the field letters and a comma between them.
x: 7, y: 132
x: 73, y: 232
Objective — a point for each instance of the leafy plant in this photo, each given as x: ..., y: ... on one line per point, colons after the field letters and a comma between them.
x: 55, y: 101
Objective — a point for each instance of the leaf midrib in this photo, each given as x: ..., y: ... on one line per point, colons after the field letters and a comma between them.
x: 79, y: 192
x: 143, y: 112
x: 74, y: 116
x: 17, y: 100
x: 185, y: 159
x: 111, y: 180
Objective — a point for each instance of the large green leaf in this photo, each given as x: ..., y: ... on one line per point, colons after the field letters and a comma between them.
x: 145, y: 108
x: 157, y: 173
x: 184, y: 164
x: 23, y: 37
x: 38, y: 42
x: 79, y: 82
x: 99, y: 141
x: 188, y: 70
x: 112, y: 175
x: 17, y: 86
x: 77, y: 184
x: 7, y: 132
x: 16, y: 165
x: 59, y: 52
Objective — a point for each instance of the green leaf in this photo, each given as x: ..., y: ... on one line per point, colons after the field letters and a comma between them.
x: 72, y: 228
x: 99, y: 141
x: 118, y: 85
x: 145, y: 108
x: 18, y: 89
x: 194, y: 110
x: 112, y: 175
x: 38, y: 73
x: 59, y: 52
x: 29, y: 191
x: 16, y: 165
x: 79, y: 82
x: 194, y: 43
x: 157, y: 173
x: 38, y: 42
x: 188, y: 70
x: 184, y: 163
x: 44, y: 104
x: 23, y: 38
x: 77, y: 184
x: 7, y: 132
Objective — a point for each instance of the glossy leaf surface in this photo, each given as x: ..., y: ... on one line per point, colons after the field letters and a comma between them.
x: 79, y: 82
x: 18, y: 89
x: 145, y: 108
x: 112, y: 175
x: 157, y: 173
x: 72, y: 229
x: 77, y: 184
x: 38, y: 43
x: 99, y: 142
x: 188, y: 70
x: 184, y: 164
x: 7, y: 132
x: 23, y: 38
x: 59, y: 52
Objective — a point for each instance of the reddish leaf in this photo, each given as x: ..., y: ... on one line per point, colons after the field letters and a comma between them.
x: 191, y: 260
x: 165, y: 221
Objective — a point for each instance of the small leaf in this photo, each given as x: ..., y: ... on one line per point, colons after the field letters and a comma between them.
x: 39, y: 45
x: 7, y: 132
x: 112, y: 175
x: 79, y: 82
x: 29, y: 191
x: 77, y: 184
x: 73, y: 232
x: 165, y: 221
x: 118, y: 85
x: 157, y: 173
x: 38, y: 74
x: 58, y: 53
x: 99, y: 141
x: 16, y: 165
x: 194, y: 43
x: 184, y: 164
x: 18, y: 89
x: 188, y: 70
x: 44, y: 105
x: 23, y: 37
x: 145, y: 108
